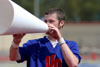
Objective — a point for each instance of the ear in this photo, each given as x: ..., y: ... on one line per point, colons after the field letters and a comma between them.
x: 62, y: 23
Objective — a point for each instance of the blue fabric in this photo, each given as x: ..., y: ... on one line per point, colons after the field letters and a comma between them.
x: 37, y: 52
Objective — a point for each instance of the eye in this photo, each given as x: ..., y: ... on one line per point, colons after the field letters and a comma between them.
x: 45, y: 21
x: 51, y: 21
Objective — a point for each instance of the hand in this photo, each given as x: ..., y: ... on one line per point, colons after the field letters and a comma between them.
x: 54, y: 32
x: 17, y: 38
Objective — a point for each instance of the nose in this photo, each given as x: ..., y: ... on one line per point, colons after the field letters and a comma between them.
x: 47, y: 23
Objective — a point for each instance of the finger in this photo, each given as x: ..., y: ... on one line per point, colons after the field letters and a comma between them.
x: 22, y: 34
x: 16, y: 35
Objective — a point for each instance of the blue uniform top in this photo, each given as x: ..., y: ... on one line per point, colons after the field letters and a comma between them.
x: 40, y: 53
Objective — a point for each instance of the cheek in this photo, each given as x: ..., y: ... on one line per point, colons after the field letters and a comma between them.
x: 56, y: 25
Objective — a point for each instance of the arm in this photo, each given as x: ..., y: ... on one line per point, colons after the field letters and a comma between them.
x: 14, y: 53
x: 70, y: 59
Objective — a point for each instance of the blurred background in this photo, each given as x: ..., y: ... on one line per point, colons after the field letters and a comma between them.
x: 82, y: 25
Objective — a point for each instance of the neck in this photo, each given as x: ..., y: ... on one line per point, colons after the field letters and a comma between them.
x: 51, y: 38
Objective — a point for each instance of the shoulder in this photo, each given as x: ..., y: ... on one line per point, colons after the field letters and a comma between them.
x: 35, y: 42
x: 30, y: 42
x: 71, y: 44
x: 43, y: 40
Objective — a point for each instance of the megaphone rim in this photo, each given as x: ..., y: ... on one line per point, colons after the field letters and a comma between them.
x: 12, y: 16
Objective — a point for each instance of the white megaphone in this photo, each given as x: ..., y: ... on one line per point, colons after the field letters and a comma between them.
x: 14, y: 19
